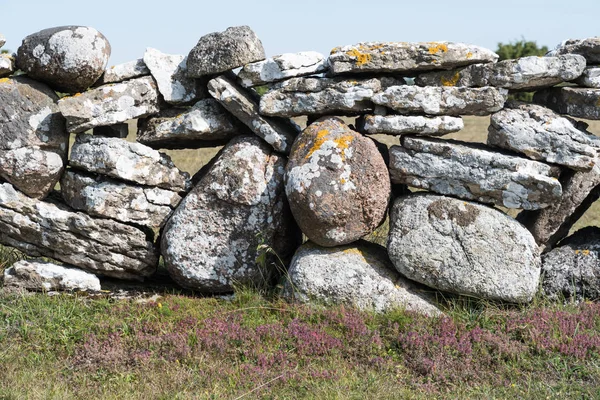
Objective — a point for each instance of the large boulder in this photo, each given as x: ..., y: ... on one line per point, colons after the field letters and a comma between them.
x: 463, y: 247
x: 33, y: 138
x: 358, y: 275
x: 44, y: 276
x: 281, y: 67
x: 573, y: 101
x: 219, y: 52
x: 588, y: 48
x: 337, y: 183
x: 68, y: 58
x: 236, y: 213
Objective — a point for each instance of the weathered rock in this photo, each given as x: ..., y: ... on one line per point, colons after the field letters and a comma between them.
x: 117, y: 131
x: 526, y: 73
x: 474, y: 172
x: 110, y: 104
x: 576, y: 102
x: 170, y: 73
x: 206, y: 124
x: 33, y: 139
x: 102, y: 246
x: 44, y: 276
x: 463, y: 247
x: 541, y: 134
x: 442, y: 100
x: 337, y: 183
x: 68, y: 58
x: 416, y: 124
x: 358, y: 275
x: 219, y: 52
x: 212, y: 240
x: 278, y: 132
x: 550, y: 225
x: 2, y: 40
x: 103, y: 197
x: 404, y: 57
x: 122, y: 72
x: 589, y: 48
x: 322, y: 96
x: 282, y: 67
x: 131, y: 162
x: 590, y: 77
x: 7, y: 65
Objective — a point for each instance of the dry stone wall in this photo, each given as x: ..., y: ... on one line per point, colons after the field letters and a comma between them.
x: 240, y: 220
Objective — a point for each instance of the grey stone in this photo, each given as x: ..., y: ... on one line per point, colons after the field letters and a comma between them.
x: 237, y: 211
x: 110, y: 104
x: 131, y: 162
x: 322, y: 96
x: 282, y: 67
x: 337, y: 183
x: 442, y: 100
x: 416, y: 124
x: 2, y: 40
x: 7, y: 65
x: 576, y: 102
x: 474, y: 172
x: 122, y: 72
x: 572, y: 270
x: 463, y: 247
x: 206, y: 124
x: 44, y: 276
x: 589, y: 48
x: 590, y: 77
x: 402, y: 57
x: 525, y: 73
x: 541, y: 134
x: 102, y: 197
x: 359, y: 275
x: 33, y: 139
x: 68, y: 58
x: 278, y: 132
x: 170, y: 73
x: 101, y: 246
x: 117, y: 131
x: 219, y: 52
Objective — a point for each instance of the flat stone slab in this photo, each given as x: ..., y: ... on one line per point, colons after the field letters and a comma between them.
x: 463, y: 247
x: 525, y: 73
x: 415, y: 124
x: 122, y: 72
x: 131, y: 162
x: 541, y: 134
x: 452, y: 101
x: 44, y: 277
x: 590, y: 77
x: 397, y: 57
x: 576, y: 102
x: 322, y: 96
x: 589, y: 48
x: 358, y: 275
x: 111, y: 104
x: 282, y: 67
x: 278, y: 132
x: 7, y: 65
x: 102, y: 197
x: 101, y: 246
x: 205, y: 124
x: 473, y: 172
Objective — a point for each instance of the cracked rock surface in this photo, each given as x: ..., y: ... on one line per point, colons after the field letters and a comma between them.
x: 416, y: 124
x: 281, y: 67
x: 588, y: 48
x: 573, y: 101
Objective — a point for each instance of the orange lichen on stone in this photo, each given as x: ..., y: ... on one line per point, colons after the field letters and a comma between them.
x: 319, y: 140
x: 435, y: 48
x: 4, y: 80
x: 451, y: 81
x: 342, y: 143
x: 469, y: 55
x: 361, y: 58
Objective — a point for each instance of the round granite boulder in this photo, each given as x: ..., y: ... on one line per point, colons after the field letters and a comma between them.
x: 68, y: 58
x: 337, y: 183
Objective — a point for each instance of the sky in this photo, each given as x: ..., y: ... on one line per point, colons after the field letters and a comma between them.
x: 174, y: 26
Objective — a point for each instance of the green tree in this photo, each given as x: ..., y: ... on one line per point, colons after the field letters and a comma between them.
x: 520, y: 48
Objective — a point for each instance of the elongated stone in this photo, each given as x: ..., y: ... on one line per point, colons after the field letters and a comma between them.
x: 111, y: 104
x: 284, y: 66
x: 206, y: 124
x: 590, y: 78
x: 321, y: 96
x: 416, y: 124
x: 101, y: 246
x: 576, y: 102
x: 541, y: 134
x: 131, y: 162
x: 278, y: 132
x: 44, y: 276
x: 473, y: 172
x: 405, y: 57
x: 7, y: 65
x: 442, y: 100
x: 589, y: 48
x: 122, y: 72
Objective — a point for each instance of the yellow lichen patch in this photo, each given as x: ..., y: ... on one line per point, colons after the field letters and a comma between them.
x: 343, y: 181
x: 77, y: 95
x: 354, y: 250
x: 320, y: 139
x: 334, y: 50
x: 342, y: 143
x: 450, y: 81
x: 435, y: 48
x: 361, y: 58
x: 4, y: 80
x: 469, y: 55
x: 585, y: 252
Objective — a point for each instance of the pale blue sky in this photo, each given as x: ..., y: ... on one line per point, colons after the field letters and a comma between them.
x: 174, y: 26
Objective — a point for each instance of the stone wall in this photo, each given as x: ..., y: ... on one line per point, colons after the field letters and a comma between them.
x: 121, y: 205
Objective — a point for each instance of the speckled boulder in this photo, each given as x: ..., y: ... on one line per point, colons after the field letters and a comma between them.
x: 212, y: 240
x: 337, y: 183
x: 68, y: 58
x: 589, y: 48
x: 463, y: 247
